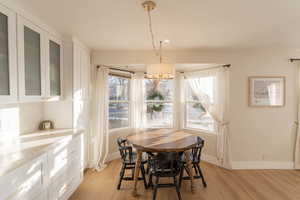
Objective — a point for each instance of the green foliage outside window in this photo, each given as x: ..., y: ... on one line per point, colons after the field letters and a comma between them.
x: 157, y: 107
x: 199, y: 106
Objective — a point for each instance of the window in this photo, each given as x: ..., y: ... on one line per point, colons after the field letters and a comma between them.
x: 118, y: 102
x: 196, y: 115
x: 159, y: 102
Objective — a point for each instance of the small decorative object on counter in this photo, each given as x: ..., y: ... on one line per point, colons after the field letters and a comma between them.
x: 46, y: 125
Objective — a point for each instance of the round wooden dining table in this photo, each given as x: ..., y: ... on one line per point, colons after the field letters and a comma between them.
x: 162, y: 140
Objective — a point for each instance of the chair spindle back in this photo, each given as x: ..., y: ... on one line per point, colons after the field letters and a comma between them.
x: 196, y: 151
x: 125, y: 150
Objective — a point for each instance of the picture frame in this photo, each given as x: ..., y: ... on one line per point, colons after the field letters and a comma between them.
x: 266, y: 91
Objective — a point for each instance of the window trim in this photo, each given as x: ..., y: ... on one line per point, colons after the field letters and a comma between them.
x: 122, y: 101
x: 185, y: 112
x: 201, y: 130
x: 117, y: 130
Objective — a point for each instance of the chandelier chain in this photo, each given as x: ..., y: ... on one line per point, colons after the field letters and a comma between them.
x: 152, y: 34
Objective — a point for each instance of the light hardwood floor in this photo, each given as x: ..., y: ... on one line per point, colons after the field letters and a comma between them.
x: 222, y: 185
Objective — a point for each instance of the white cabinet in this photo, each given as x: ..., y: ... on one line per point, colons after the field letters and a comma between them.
x: 81, y: 71
x: 40, y: 63
x: 8, y: 56
x: 53, y: 175
x: 81, y: 119
x: 54, y: 68
x: 81, y: 91
x: 65, y: 164
x: 85, y: 74
x: 27, y: 182
x: 31, y: 61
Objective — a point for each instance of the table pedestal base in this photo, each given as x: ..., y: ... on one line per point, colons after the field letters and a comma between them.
x: 137, y: 172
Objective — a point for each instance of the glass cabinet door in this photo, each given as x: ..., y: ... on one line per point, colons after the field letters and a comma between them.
x: 8, y: 56
x: 32, y: 62
x: 4, y: 56
x: 54, y: 68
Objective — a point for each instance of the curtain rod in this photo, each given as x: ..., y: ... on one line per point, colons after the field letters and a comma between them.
x: 132, y: 72
x: 116, y: 69
x: 294, y: 59
x: 225, y: 66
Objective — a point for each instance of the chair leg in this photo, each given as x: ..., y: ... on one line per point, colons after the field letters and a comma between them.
x: 144, y: 176
x: 121, y: 176
x: 187, y: 171
x: 177, y: 188
x: 180, y: 176
x: 155, y: 188
x: 195, y: 168
x: 132, y: 173
x: 148, y: 168
x: 202, y: 177
x: 150, y: 183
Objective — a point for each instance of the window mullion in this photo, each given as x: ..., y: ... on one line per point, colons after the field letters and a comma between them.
x: 151, y: 101
x: 119, y: 101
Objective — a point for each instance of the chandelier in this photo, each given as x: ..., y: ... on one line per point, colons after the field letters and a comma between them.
x: 161, y: 70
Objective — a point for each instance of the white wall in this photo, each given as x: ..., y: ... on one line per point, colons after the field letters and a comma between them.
x: 24, y: 118
x: 60, y: 113
x: 257, y: 134
x: 18, y: 119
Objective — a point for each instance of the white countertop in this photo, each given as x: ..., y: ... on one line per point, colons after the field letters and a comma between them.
x: 16, y: 151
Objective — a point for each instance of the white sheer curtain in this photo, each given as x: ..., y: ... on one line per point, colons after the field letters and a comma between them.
x: 179, y: 103
x: 137, y: 99
x: 218, y: 109
x: 297, y: 146
x: 100, y: 129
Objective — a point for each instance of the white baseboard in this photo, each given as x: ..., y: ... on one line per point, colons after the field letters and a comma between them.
x: 206, y: 158
x: 235, y: 165
x: 262, y: 165
x: 210, y: 159
x: 113, y: 156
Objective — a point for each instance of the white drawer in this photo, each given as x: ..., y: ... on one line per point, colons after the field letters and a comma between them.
x: 71, y: 187
x: 63, y: 149
x: 63, y: 186
x: 62, y: 156
x: 24, y: 182
x: 58, y: 167
x: 35, y: 194
x: 68, y: 171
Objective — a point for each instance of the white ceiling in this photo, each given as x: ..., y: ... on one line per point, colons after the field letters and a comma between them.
x: 189, y: 24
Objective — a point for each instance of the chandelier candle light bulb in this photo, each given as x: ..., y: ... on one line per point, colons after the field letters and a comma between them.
x: 160, y: 71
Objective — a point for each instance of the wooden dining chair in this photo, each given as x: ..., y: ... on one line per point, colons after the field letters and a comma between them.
x: 195, y: 157
x: 128, y: 162
x: 165, y: 165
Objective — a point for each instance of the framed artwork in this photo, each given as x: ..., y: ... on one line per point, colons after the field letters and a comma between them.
x: 266, y: 91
